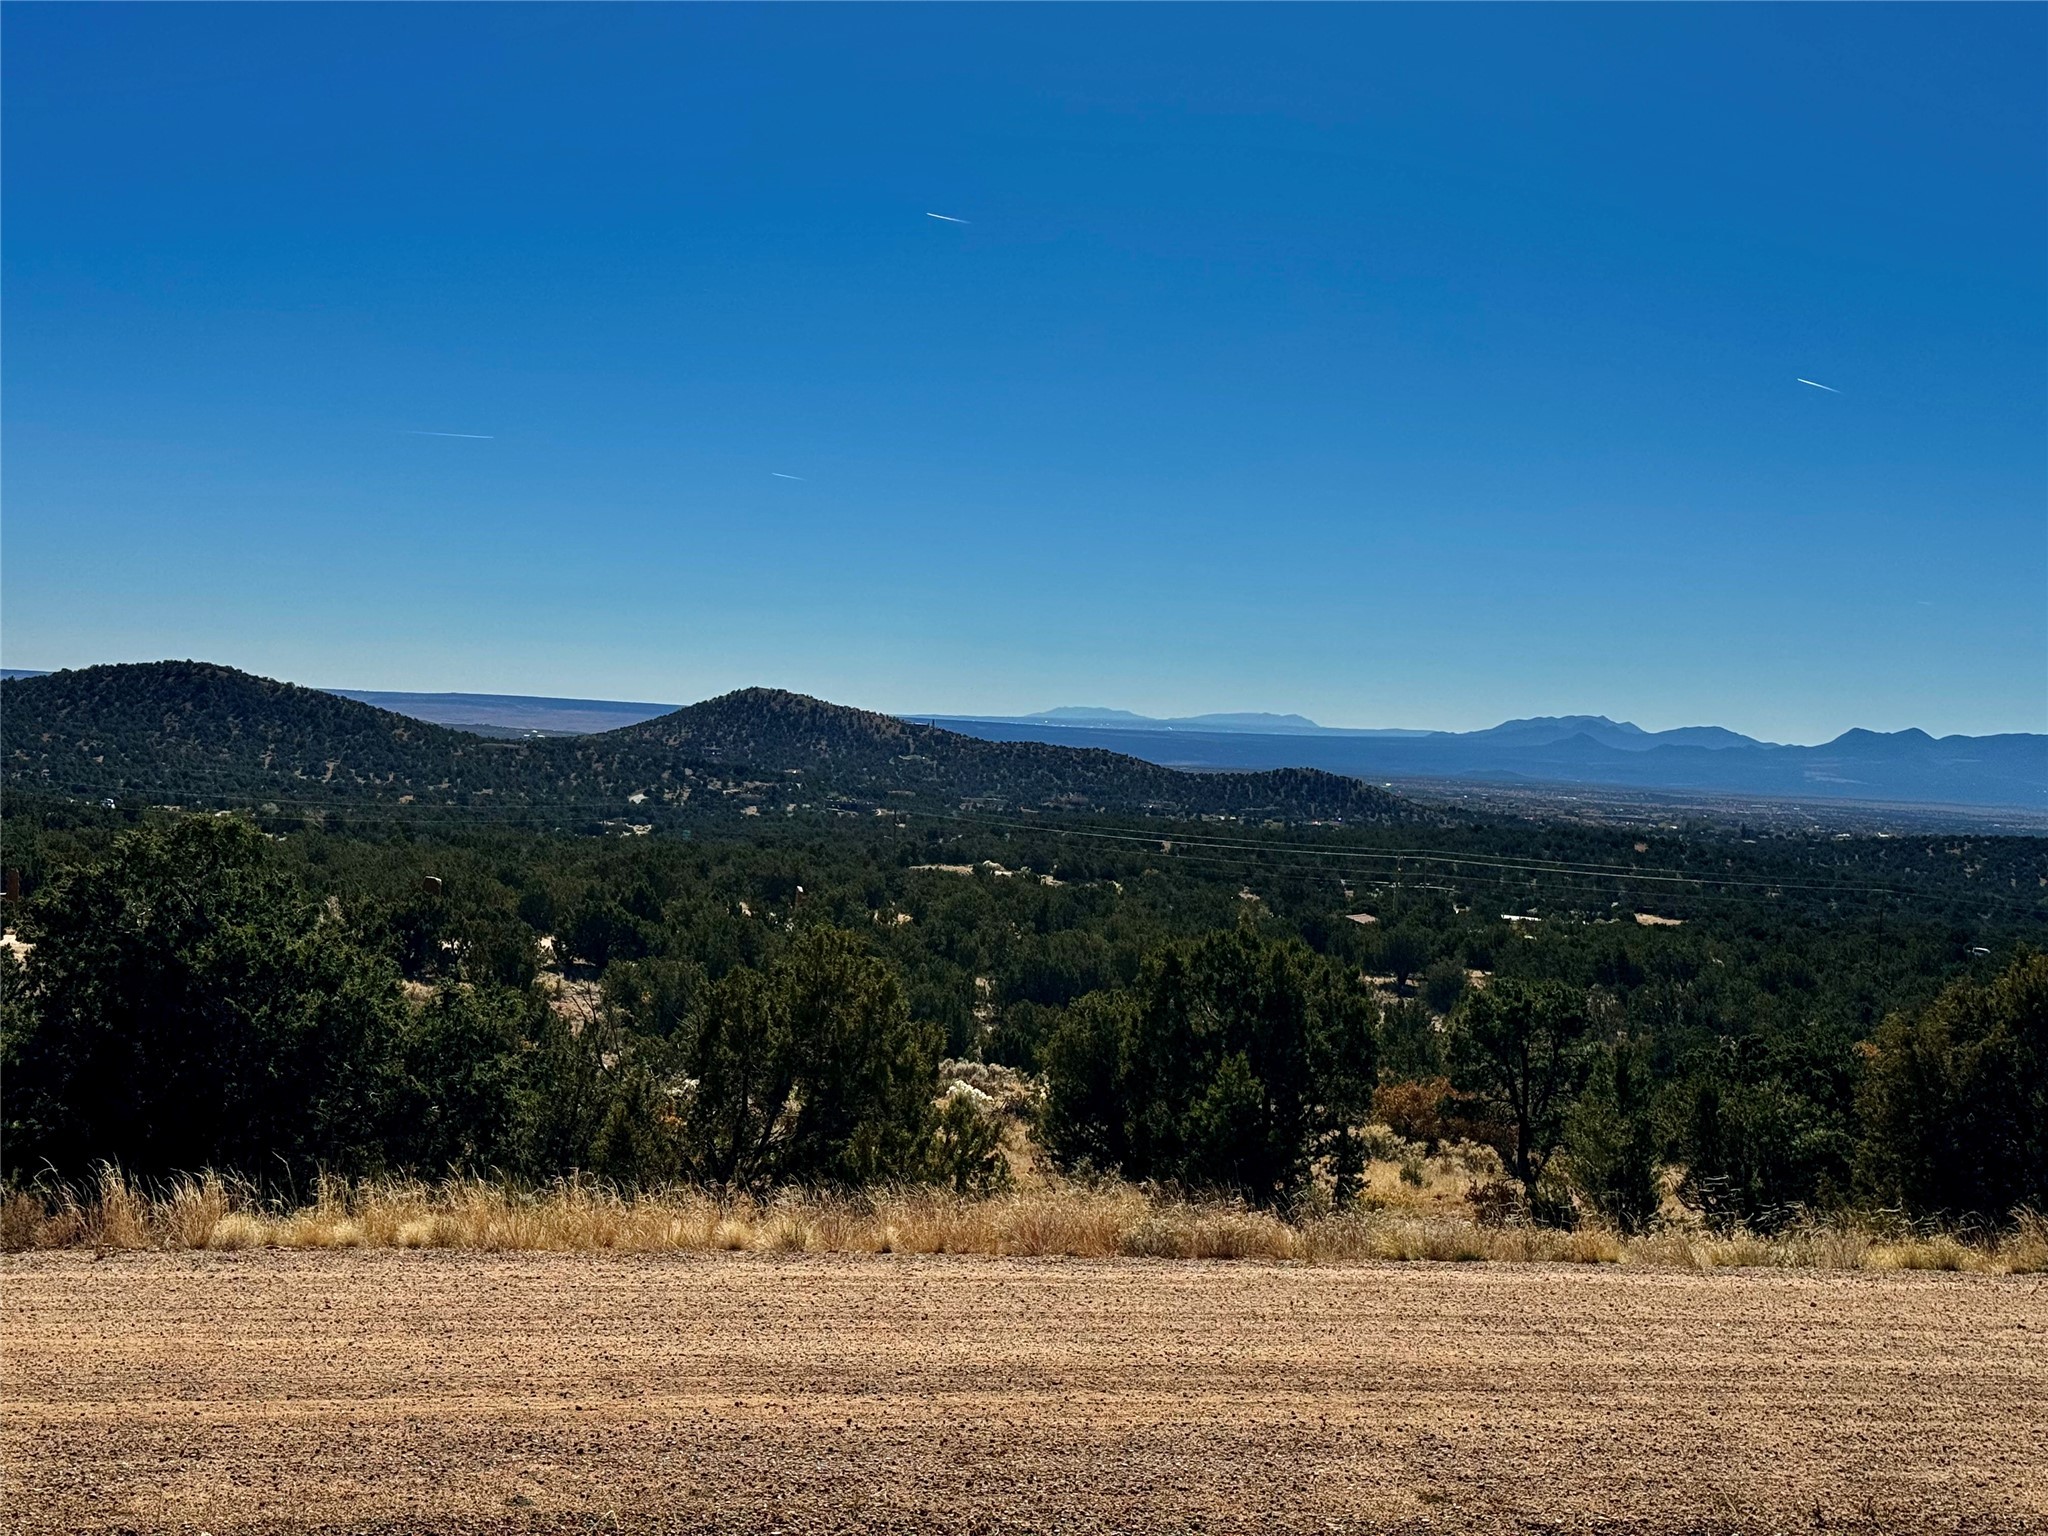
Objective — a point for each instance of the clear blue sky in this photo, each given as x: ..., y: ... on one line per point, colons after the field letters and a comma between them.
x: 1400, y: 365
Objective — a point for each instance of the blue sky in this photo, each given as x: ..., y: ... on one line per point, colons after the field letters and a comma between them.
x: 1406, y: 366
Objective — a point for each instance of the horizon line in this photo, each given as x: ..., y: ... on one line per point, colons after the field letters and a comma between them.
x: 1038, y: 717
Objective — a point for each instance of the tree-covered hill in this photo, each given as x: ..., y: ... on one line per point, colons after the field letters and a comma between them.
x: 194, y: 733
x: 190, y: 730
x: 856, y: 752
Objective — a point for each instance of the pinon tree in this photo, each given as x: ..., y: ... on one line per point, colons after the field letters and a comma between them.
x: 812, y: 1070
x: 184, y: 1007
x: 1612, y: 1137
x: 1236, y: 1062
x: 1519, y: 1047
x: 1955, y: 1100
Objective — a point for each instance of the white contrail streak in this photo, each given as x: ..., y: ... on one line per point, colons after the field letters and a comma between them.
x: 1828, y: 387
x: 947, y: 218
x: 482, y: 437
x: 778, y: 474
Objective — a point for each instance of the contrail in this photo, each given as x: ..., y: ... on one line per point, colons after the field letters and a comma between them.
x: 482, y: 437
x: 947, y: 218
x: 778, y: 474
x: 1828, y: 387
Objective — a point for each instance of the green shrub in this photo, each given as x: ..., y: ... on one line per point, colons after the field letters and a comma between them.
x: 1955, y: 1100
x: 1758, y: 1154
x: 185, y: 1007
x: 967, y: 1149
x: 810, y: 1071
x: 1443, y: 986
x: 1612, y: 1141
x: 1234, y: 1063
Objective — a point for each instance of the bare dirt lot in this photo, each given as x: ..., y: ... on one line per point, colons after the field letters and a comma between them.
x: 385, y: 1392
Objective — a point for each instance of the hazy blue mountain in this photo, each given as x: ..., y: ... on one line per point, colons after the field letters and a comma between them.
x: 1623, y: 735
x: 1082, y: 714
x: 1904, y: 767
x: 1561, y: 728
x: 1538, y: 730
x: 1253, y: 720
x: 1713, y: 737
x: 1257, y: 721
x: 498, y: 713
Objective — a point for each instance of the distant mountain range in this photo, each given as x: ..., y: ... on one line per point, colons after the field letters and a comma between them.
x: 1265, y: 724
x: 1536, y: 731
x: 1900, y: 767
x: 1903, y: 767
x: 511, y: 714
x: 192, y: 733
x: 503, y: 715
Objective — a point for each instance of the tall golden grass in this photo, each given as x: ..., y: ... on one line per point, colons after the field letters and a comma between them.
x: 1058, y: 1221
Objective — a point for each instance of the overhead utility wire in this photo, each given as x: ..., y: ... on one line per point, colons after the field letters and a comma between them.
x: 1558, y: 867
x: 1583, y: 871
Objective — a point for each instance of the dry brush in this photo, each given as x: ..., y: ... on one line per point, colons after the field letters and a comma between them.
x: 1057, y: 1221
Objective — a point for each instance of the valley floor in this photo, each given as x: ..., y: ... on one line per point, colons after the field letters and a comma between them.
x: 382, y: 1391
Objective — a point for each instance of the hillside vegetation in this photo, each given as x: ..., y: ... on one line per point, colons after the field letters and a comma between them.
x: 1811, y: 1028
x: 192, y: 733
x: 419, y: 951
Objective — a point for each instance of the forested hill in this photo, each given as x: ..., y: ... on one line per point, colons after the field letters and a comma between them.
x: 176, y: 730
x: 855, y: 751
x: 194, y: 733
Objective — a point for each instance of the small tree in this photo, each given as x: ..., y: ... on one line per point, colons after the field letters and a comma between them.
x: 601, y: 930
x: 1444, y: 985
x: 1412, y: 1039
x: 1083, y: 1121
x: 811, y: 1070
x: 473, y: 1093
x: 1404, y: 952
x: 967, y: 1152
x: 1611, y: 1138
x: 1757, y: 1151
x: 1519, y: 1048
x: 186, y: 1007
x: 1955, y: 1101
x: 1236, y: 1063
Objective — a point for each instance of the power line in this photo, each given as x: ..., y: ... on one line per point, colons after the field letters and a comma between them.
x: 1581, y: 875
x: 1457, y: 859
x: 1582, y: 880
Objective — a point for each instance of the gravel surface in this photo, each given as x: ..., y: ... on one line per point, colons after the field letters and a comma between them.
x: 387, y: 1392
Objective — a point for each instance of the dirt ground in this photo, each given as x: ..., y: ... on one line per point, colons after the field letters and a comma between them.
x: 390, y: 1391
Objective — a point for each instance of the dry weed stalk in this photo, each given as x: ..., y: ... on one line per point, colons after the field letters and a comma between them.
x: 1057, y: 1221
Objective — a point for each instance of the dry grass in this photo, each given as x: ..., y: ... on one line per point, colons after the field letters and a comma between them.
x: 1066, y: 1221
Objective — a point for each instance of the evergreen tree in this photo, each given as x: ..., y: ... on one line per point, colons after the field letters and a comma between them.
x: 1519, y: 1047
x: 1955, y: 1102
x: 1235, y: 1064
x: 813, y: 1070
x: 184, y: 1007
x: 1611, y: 1137
x: 1757, y: 1151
